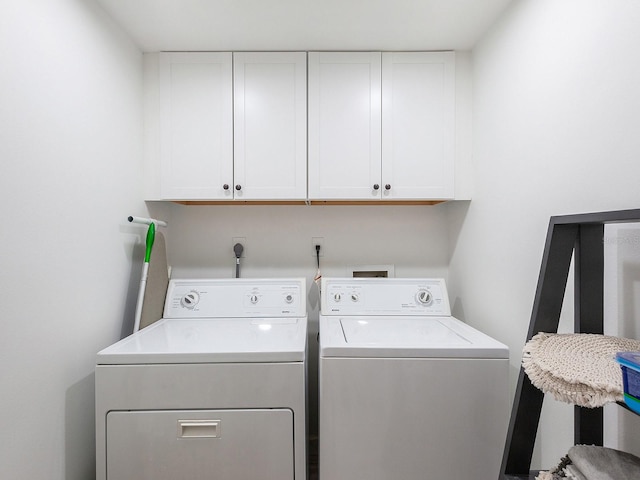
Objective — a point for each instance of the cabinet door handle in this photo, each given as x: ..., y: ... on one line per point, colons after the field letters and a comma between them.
x: 376, y: 186
x: 226, y: 186
x: 238, y: 187
x: 387, y: 187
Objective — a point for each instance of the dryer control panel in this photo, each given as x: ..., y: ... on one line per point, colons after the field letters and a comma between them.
x: 384, y: 296
x: 235, y: 298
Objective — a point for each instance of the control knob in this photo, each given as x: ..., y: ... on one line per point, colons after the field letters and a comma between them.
x: 190, y: 300
x: 424, y: 297
x: 288, y: 298
x: 337, y: 297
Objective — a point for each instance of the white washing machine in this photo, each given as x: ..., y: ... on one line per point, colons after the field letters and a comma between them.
x: 407, y: 392
x: 215, y: 389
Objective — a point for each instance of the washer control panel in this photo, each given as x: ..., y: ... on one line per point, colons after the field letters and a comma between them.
x: 235, y: 298
x: 384, y: 296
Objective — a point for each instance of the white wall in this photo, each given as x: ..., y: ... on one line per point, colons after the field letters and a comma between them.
x: 556, y: 124
x: 70, y: 153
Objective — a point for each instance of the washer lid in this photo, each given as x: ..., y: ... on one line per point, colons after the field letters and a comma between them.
x: 207, y: 340
x: 403, y: 331
x: 416, y: 337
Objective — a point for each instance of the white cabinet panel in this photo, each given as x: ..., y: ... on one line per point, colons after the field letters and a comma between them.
x: 196, y: 125
x: 344, y: 125
x: 270, y: 125
x: 381, y: 126
x: 418, y: 106
x: 200, y: 444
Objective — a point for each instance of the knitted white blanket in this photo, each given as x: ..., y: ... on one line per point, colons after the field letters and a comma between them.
x: 577, y: 368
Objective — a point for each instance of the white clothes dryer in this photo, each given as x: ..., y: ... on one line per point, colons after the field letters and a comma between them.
x: 406, y: 391
x: 215, y: 389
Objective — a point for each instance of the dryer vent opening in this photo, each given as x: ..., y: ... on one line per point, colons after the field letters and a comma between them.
x: 371, y: 271
x: 371, y: 274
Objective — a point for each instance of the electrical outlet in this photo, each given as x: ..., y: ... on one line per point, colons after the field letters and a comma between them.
x: 317, y: 241
x: 242, y: 241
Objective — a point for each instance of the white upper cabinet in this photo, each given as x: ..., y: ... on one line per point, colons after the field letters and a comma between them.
x: 196, y: 125
x: 381, y: 126
x: 418, y: 125
x: 344, y: 125
x: 270, y: 125
x: 233, y: 126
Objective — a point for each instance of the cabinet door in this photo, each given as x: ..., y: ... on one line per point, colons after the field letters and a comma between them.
x: 200, y: 444
x: 418, y: 107
x: 344, y: 125
x: 196, y: 125
x: 270, y: 125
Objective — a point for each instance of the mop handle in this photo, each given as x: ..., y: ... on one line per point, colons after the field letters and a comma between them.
x: 151, y: 234
x: 147, y: 221
x: 140, y: 300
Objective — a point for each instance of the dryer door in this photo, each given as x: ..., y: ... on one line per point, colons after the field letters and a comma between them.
x: 200, y: 444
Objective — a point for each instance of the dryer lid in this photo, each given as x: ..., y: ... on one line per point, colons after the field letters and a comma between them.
x: 211, y: 340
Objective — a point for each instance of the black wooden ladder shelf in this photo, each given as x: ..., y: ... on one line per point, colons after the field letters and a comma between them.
x: 582, y: 236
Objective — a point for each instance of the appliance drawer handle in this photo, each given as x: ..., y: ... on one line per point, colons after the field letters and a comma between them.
x: 199, y: 428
